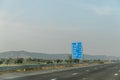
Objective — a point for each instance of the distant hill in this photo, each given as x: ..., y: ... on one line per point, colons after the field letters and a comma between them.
x: 25, y: 54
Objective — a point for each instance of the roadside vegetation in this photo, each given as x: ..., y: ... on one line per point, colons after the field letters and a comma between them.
x: 48, y: 64
x: 33, y: 61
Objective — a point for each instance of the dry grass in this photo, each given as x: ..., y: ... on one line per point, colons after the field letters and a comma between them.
x: 44, y: 68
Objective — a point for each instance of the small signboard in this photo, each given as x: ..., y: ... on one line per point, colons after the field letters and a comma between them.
x: 77, y: 50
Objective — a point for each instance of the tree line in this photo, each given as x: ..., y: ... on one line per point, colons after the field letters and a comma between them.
x: 42, y: 61
x: 28, y: 61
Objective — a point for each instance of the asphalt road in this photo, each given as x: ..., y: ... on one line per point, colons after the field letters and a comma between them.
x: 99, y: 72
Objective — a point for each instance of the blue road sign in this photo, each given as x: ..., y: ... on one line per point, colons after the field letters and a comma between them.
x: 77, y: 50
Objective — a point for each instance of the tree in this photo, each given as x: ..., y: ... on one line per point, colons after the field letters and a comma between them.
x: 19, y: 60
x: 58, y: 61
x: 49, y: 62
x: 76, y: 60
x: 67, y: 61
x: 70, y: 58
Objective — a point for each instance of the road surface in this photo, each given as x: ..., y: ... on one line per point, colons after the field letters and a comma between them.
x: 99, y: 72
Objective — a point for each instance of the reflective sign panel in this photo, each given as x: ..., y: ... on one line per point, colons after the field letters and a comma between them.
x: 77, y: 50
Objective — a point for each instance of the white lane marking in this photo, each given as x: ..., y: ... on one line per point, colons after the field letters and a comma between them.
x: 87, y: 70
x: 54, y: 79
x: 74, y: 73
x: 115, y: 74
x: 118, y: 70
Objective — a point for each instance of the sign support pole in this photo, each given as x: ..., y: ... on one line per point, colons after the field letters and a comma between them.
x: 77, y: 51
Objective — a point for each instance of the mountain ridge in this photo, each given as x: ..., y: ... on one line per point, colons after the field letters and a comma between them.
x: 26, y: 54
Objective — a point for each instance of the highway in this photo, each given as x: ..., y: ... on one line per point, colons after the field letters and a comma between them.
x: 98, y: 72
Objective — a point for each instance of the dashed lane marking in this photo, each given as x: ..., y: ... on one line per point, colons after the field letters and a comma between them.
x: 115, y: 74
x: 74, y: 73
x: 87, y: 70
x: 118, y: 70
x: 54, y: 79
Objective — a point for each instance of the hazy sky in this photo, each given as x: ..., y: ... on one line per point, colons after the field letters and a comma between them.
x: 51, y: 26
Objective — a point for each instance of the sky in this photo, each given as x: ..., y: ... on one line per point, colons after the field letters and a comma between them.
x: 50, y: 26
